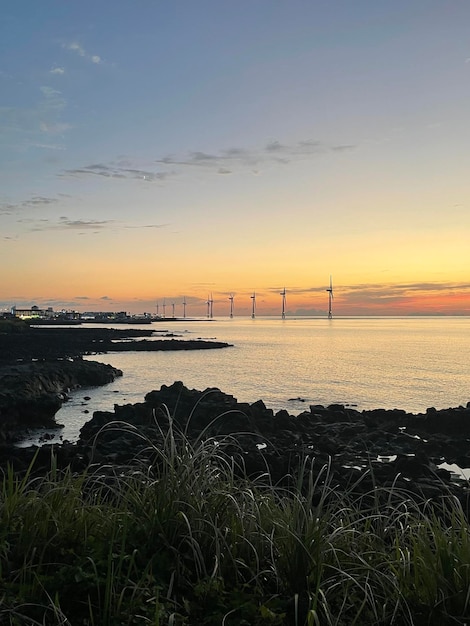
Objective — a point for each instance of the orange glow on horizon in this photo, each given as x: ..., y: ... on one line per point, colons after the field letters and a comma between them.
x: 348, y: 301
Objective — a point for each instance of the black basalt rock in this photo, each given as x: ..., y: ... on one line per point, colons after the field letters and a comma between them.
x: 32, y: 393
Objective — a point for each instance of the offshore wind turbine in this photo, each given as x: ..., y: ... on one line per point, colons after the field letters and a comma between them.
x: 253, y: 305
x: 164, y: 306
x: 231, y: 304
x: 210, y: 307
x: 184, y: 307
x: 283, y: 294
x: 330, y: 298
x: 173, y: 310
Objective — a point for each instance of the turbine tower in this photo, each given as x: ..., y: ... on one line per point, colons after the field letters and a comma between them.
x: 173, y: 310
x: 211, y: 301
x: 231, y: 304
x: 283, y: 294
x: 330, y: 298
x: 164, y: 306
x: 253, y: 305
x: 184, y: 307
x: 158, y: 307
x: 208, y: 302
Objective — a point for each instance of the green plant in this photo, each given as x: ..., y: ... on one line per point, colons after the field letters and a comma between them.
x: 187, y: 539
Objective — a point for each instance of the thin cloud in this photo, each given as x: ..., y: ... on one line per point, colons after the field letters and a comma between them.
x: 109, y: 171
x: 64, y: 223
x: 275, y: 146
x: 55, y: 129
x: 59, y: 71
x: 53, y: 99
x: 380, y: 292
x: 148, y: 226
x: 68, y: 224
x: 48, y: 146
x: 39, y: 200
x: 227, y: 161
x: 30, y: 125
x: 32, y: 203
x: 344, y: 148
x: 7, y: 208
x: 273, y: 152
x: 80, y: 50
x: 389, y: 293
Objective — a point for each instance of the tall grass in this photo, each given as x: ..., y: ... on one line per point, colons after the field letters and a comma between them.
x: 186, y: 540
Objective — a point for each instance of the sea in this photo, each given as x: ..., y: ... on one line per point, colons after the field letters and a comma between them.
x: 409, y: 363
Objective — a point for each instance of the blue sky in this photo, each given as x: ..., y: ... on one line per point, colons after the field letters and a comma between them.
x: 155, y: 149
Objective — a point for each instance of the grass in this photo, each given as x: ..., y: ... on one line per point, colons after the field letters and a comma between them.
x: 186, y: 541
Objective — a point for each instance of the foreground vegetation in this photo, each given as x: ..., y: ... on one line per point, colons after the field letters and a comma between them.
x: 187, y: 542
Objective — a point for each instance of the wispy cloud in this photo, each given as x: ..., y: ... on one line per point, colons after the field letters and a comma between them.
x: 59, y: 71
x: 50, y: 112
x: 116, y: 171
x: 273, y: 151
x: 55, y: 129
x: 48, y: 146
x: 30, y: 222
x: 65, y: 223
x: 148, y: 226
x: 27, y: 127
x: 80, y: 50
x: 33, y: 202
x: 53, y: 99
x: 391, y: 298
x: 224, y: 162
x: 387, y: 290
x: 399, y: 298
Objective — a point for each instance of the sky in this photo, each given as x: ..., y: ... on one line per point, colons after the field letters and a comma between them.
x: 155, y: 151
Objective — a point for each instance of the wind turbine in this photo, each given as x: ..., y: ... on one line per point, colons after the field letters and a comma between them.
x: 208, y: 306
x: 211, y: 301
x: 184, y: 306
x: 164, y: 305
x: 283, y: 294
x: 158, y: 307
x: 253, y: 305
x: 173, y: 310
x: 231, y: 304
x: 330, y: 298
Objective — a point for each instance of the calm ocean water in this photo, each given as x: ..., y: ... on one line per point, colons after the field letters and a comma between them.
x: 369, y: 362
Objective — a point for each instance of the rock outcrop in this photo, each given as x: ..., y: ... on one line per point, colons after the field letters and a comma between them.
x: 31, y: 393
x: 379, y: 447
x: 38, y: 366
x: 58, y: 343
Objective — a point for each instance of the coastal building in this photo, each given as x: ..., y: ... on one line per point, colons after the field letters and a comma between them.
x: 34, y: 312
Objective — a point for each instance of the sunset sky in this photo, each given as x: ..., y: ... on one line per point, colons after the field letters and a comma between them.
x: 155, y: 149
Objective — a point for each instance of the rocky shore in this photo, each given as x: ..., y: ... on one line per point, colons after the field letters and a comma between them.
x: 359, y: 450
x: 31, y: 393
x: 39, y: 366
x: 60, y: 343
